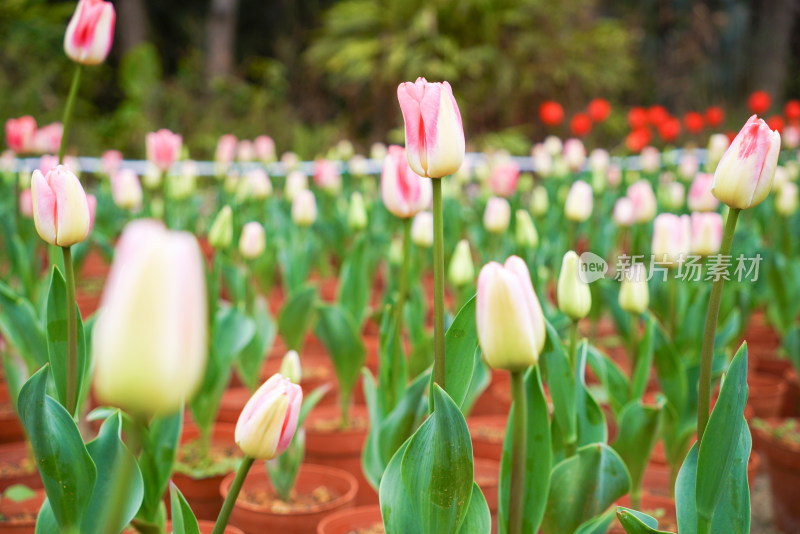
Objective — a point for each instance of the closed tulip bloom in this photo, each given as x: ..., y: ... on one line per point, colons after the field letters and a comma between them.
x: 20, y: 133
x: 509, y: 318
x: 791, y: 136
x: 220, y: 235
x: 60, y: 208
x: 245, y: 151
x: 304, y: 208
x: 580, y: 199
x: 706, y: 233
x: 110, y: 162
x: 614, y: 175
x: 90, y: 32
x: 542, y: 160
x: 688, y: 166
x: 26, y: 203
x: 435, y: 143
x: 265, y: 148
x: 634, y: 295
x: 540, y: 202
x: 291, y: 367
x: 47, y: 139
x: 359, y: 166
x: 744, y: 175
x: 461, y: 270
x: 786, y: 200
x: 623, y: 212
x: 289, y: 160
x: 357, y: 212
x: 403, y: 192
x: 781, y: 177
x: 644, y: 201
x: 268, y: 421
x: 574, y: 154
x: 257, y: 184
x: 672, y: 238
x: 650, y: 160
x: 377, y: 151
x: 700, y: 197
x: 672, y: 194
x: 150, y: 339
x: 253, y: 240
x: 526, y: 234
x: 225, y: 153
x: 327, y: 176
x: 296, y: 181
x: 717, y: 146
x: 422, y: 229
x: 497, y: 215
x: 126, y: 190
x: 163, y: 148
x: 572, y: 292
x: 503, y: 179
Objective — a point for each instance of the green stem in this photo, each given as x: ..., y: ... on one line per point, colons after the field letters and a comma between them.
x: 573, y: 345
x: 672, y: 288
x: 17, y: 215
x: 164, y: 198
x: 707, y: 352
x: 703, y: 525
x: 438, y: 286
x: 72, y: 333
x: 233, y: 493
x: 632, y: 348
x: 516, y: 506
x: 65, y: 121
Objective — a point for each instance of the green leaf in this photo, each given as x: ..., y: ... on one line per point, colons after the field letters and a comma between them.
x: 67, y: 470
x: 614, y: 381
x: 159, y: 450
x: 20, y: 325
x: 644, y: 361
x: 481, y: 379
x: 252, y: 356
x: 537, y: 462
x: 670, y: 369
x: 597, y: 525
x: 590, y: 419
x: 18, y: 493
x: 392, y: 368
x: 561, y: 382
x: 340, y: 335
x: 461, y: 339
x: 478, y: 519
x: 183, y: 519
x: 296, y: 317
x: 637, y: 523
x: 583, y: 486
x: 639, y: 430
x: 354, y: 281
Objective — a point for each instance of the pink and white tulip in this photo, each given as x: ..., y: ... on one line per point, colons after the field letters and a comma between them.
x: 225, y: 152
x: 268, y: 421
x: 265, y: 148
x: 253, y: 240
x: 110, y: 162
x: 326, y: 176
x: 672, y: 239
x: 580, y: 201
x: 126, y: 190
x: 47, y: 139
x: 706, y: 233
x: 163, y: 148
x: 644, y: 201
x: 504, y: 178
x: 700, y: 196
x: 497, y: 215
x: 60, y: 208
x: 623, y: 212
x: 304, y: 208
x: 20, y: 134
x: 403, y: 192
x: 26, y: 203
x: 90, y: 32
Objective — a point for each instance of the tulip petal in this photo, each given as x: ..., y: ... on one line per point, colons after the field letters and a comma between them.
x: 44, y: 207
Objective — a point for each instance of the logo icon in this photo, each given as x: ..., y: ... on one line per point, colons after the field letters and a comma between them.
x: 593, y: 268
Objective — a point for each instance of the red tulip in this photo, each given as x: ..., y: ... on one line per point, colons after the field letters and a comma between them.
x: 777, y: 123
x: 551, y: 113
x: 638, y: 139
x: 670, y: 129
x: 637, y: 118
x: 580, y: 125
x: 657, y: 114
x: 714, y: 116
x: 792, y: 110
x: 759, y: 102
x: 599, y: 109
x: 694, y: 122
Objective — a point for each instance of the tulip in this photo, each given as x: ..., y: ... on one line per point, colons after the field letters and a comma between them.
x: 614, y: 175
x: 672, y: 238
x: 578, y: 206
x: 225, y: 152
x: 542, y: 160
x: 422, y: 229
x: 553, y: 145
x: 220, y: 235
x: 256, y: 185
x: 184, y: 184
x: 8, y: 161
x: 253, y: 240
x: 574, y: 154
x: 163, y: 148
x: 599, y: 161
x: 497, y: 215
x: 509, y: 318
x: 644, y: 201
x: 357, y: 212
x: 688, y: 166
x: 781, y: 177
x: 623, y: 212
x: 268, y: 421
x: 26, y: 203
x: 650, y: 160
x: 744, y: 175
x: 461, y: 270
x: 296, y: 181
x: 791, y: 136
x: 60, y: 208
x: 245, y: 151
x: 327, y: 176
x: 48, y: 162
x: 20, y: 133
x: 110, y: 162
x: 304, y: 208
x: 150, y: 339
x: 634, y: 295
x: 540, y: 202
x: 434, y: 134
x: 345, y: 149
x: 403, y: 192
x: 289, y: 160
x: 291, y: 367
x: 48, y: 138
x: 551, y: 113
x: 786, y: 199
x: 151, y: 178
x: 359, y: 166
x: 717, y: 146
x: 572, y: 292
x: 700, y: 197
x: 90, y: 32
x: 503, y: 179
x: 265, y: 148
x: 526, y: 234
x: 377, y: 151
x: 672, y: 194
x: 706, y: 233
x: 126, y: 190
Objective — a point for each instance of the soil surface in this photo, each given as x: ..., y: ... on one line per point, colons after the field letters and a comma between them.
x: 761, y: 507
x: 266, y: 499
x: 376, y: 528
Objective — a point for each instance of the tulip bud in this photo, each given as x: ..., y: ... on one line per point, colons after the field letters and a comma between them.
x: 434, y: 134
x: 461, y: 270
x: 553, y: 145
x: 269, y: 419
x: 220, y: 235
x: 296, y: 181
x: 289, y: 160
x: 48, y: 138
x: 20, y: 133
x: 357, y: 212
x: 644, y: 201
x: 540, y: 202
x: 599, y: 160
x: 634, y: 295
x: 574, y: 154
x: 253, y: 240
x: 291, y: 368
x: 623, y: 212
x: 526, y: 234
x: 700, y: 197
x: 422, y: 229
x: 791, y: 136
x: 326, y: 176
x: 672, y: 238
x: 497, y: 215
x: 265, y: 148
x: 688, y: 166
x: 509, y: 318
x: 650, y: 160
x: 580, y: 199
x: 245, y: 151
x: 126, y: 190
x: 671, y: 194
x: 226, y: 150
x: 396, y: 251
x: 90, y: 32
x: 150, y: 339
x: 110, y: 162
x: 786, y: 199
x: 717, y: 145
x: 744, y: 175
x: 60, y: 208
x: 152, y: 177
x: 304, y: 208
x: 403, y: 192
x: 345, y: 149
x: 781, y: 177
x: 163, y: 148
x: 542, y: 160
x: 255, y: 185
x: 504, y: 178
x: 377, y: 151
x: 706, y: 233
x: 572, y: 292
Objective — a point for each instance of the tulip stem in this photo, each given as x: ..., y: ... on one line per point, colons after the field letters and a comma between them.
x: 233, y: 493
x: 573, y: 345
x: 516, y: 507
x: 72, y: 333
x: 438, y: 286
x: 707, y: 352
x: 73, y: 93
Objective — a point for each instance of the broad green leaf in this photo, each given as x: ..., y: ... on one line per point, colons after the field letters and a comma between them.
x: 637, y: 523
x: 644, y: 361
x: 590, y: 419
x: 183, y: 519
x: 478, y: 519
x: 583, y: 486
x: 670, y: 369
x: 159, y: 450
x: 252, y: 356
x: 639, y: 430
x: 397, y: 508
x: 481, y: 379
x: 597, y: 525
x: 67, y: 470
x: 20, y: 325
x: 561, y: 382
x: 461, y: 339
x: 296, y: 317
x: 614, y: 381
x: 340, y: 335
x: 354, y: 281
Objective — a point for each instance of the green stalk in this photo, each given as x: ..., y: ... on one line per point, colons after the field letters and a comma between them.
x: 65, y: 121
x: 516, y: 506
x: 707, y: 352
x: 72, y: 333
x: 438, y: 286
x: 233, y: 493
x: 164, y: 198
x: 573, y: 345
x: 632, y: 347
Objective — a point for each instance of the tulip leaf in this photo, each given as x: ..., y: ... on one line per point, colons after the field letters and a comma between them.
x: 637, y: 523
x: 598, y: 524
x: 21, y: 327
x: 614, y: 381
x: 392, y: 365
x: 537, y: 461
x: 639, y: 430
x: 478, y: 519
x: 583, y: 486
x: 67, y: 470
x: 354, y: 281
x: 670, y: 369
x: 296, y: 317
x: 590, y: 419
x: 159, y: 451
x: 252, y: 356
x: 561, y: 381
x: 644, y: 361
x: 183, y: 519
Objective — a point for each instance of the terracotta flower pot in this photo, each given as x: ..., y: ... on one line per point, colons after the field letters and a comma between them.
x: 207, y: 527
x: 350, y: 520
x: 255, y: 519
x: 791, y: 399
x: 496, y: 399
x: 783, y: 463
x: 203, y: 493
x: 17, y: 466
x: 20, y: 517
x: 488, y: 433
x: 766, y: 394
x: 327, y: 444
x: 10, y: 427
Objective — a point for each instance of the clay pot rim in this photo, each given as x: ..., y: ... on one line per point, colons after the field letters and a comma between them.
x: 772, y: 440
x: 259, y: 468
x: 347, y: 512
x: 320, y: 412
